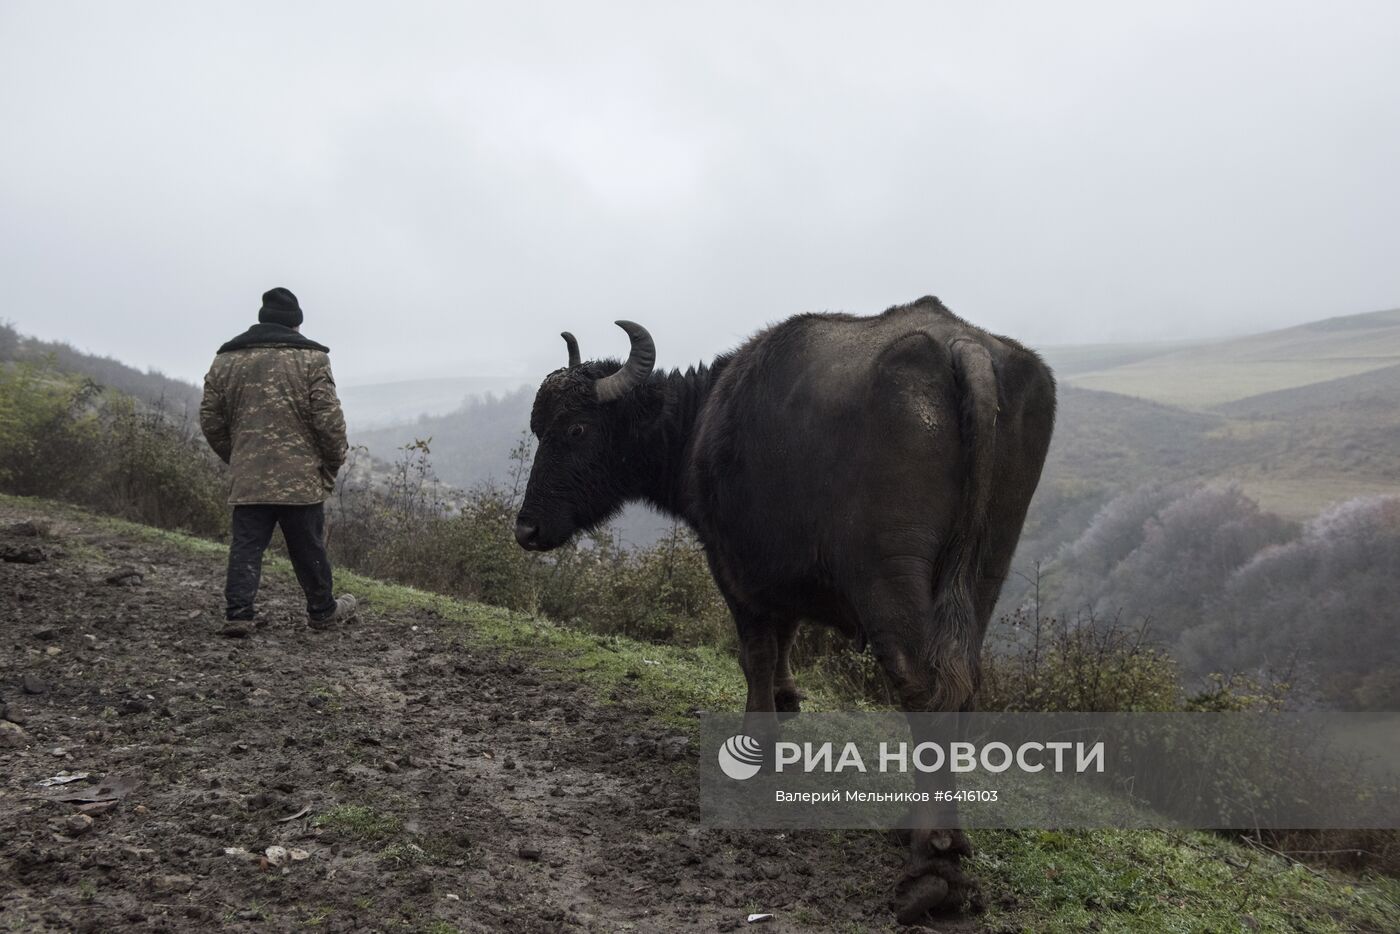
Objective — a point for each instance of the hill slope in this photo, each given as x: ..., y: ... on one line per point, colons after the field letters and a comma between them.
x: 1210, y: 374
x: 433, y: 749
x: 176, y: 396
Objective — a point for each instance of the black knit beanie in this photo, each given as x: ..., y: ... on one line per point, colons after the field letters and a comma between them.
x: 280, y: 307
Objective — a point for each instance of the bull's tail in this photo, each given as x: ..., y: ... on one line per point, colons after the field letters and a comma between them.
x: 955, y: 638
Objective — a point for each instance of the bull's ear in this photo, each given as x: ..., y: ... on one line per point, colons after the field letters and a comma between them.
x: 572, y: 344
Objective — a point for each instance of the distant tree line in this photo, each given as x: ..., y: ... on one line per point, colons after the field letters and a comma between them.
x: 1228, y: 586
x: 149, y: 386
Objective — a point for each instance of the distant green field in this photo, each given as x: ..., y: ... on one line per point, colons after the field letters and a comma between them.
x: 1208, y: 374
x: 1176, y: 380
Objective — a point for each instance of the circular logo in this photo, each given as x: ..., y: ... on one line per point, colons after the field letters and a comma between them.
x: 740, y: 757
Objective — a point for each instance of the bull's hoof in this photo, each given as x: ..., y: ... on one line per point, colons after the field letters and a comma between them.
x: 922, y: 897
x: 934, y: 884
x: 788, y: 700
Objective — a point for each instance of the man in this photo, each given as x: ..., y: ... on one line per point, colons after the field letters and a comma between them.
x: 271, y: 413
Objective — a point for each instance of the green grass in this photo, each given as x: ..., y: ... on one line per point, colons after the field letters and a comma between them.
x: 1045, y: 881
x: 1154, y: 881
x: 359, y: 821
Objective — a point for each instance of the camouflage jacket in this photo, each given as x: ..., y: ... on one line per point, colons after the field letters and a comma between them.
x: 271, y: 412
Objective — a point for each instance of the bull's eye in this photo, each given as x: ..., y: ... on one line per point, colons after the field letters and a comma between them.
x: 576, y: 431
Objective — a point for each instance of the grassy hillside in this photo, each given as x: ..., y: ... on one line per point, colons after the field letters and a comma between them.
x: 1374, y: 388
x: 150, y: 387
x: 1048, y: 881
x: 1210, y: 374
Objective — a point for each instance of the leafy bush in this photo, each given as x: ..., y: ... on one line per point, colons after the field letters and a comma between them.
x: 1049, y: 665
x: 48, y: 431
x: 67, y: 438
x: 402, y: 530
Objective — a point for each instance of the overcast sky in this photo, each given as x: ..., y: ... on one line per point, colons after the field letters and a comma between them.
x: 446, y: 186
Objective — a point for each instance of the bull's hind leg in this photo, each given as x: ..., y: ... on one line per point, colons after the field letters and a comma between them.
x: 786, y: 697
x: 898, y: 613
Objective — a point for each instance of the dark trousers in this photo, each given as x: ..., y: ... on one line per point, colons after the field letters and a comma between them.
x: 304, y: 528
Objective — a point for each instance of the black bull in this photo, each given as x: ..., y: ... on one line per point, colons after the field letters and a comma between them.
x: 867, y: 473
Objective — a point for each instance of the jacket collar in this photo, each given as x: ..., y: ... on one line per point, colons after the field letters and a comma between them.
x: 271, y: 335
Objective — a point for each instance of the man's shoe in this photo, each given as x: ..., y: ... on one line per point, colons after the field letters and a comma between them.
x: 344, y: 610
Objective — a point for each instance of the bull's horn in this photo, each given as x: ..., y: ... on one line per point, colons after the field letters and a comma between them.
x: 635, y: 370
x: 573, y: 348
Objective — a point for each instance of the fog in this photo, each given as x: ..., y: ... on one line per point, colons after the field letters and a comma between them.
x: 447, y: 186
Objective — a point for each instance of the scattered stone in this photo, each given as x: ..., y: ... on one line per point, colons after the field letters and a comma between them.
x: 125, y: 577
x: 134, y: 705
x: 53, y: 650
x: 78, y: 824
x: 12, y: 735
x: 46, y: 633
x: 530, y: 852
x: 33, y: 684
x: 27, y: 529
x: 23, y: 554
x: 390, y: 766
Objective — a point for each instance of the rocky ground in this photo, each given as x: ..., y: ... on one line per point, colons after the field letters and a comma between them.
x: 158, y: 773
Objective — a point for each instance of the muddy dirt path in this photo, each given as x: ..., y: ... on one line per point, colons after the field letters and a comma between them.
x: 412, y: 783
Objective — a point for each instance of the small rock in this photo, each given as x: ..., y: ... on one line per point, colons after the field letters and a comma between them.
x: 390, y: 766
x: 12, y: 735
x: 46, y: 633
x: 33, y: 684
x: 134, y: 705
x: 27, y: 529
x: 52, y: 650
x: 125, y: 577
x: 23, y: 554
x: 530, y: 852
x: 78, y: 824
